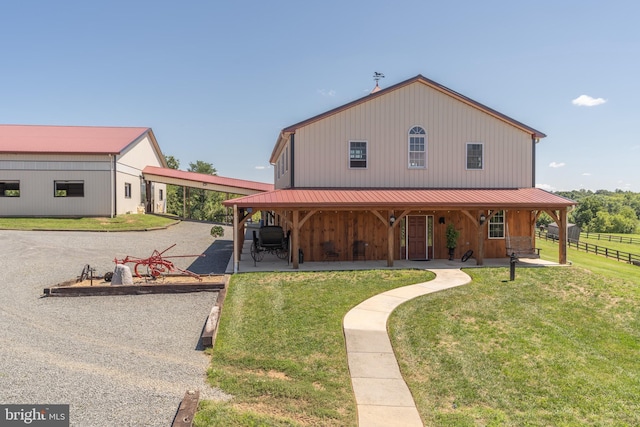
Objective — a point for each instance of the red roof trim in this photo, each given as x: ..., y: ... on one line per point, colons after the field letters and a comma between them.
x: 205, y: 178
x: 403, y: 198
x: 40, y: 139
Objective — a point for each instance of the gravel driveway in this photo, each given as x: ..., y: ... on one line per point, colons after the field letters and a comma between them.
x: 117, y: 360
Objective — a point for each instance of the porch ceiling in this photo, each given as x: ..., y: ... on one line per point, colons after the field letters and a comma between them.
x: 344, y: 198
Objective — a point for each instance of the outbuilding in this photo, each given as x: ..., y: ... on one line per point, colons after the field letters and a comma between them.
x: 77, y: 171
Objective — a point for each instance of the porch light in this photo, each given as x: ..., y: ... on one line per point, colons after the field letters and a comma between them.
x: 482, y: 218
x: 392, y: 220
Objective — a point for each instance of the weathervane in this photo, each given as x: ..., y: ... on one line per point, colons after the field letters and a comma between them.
x: 377, y: 76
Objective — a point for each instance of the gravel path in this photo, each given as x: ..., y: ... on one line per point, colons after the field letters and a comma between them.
x: 121, y: 360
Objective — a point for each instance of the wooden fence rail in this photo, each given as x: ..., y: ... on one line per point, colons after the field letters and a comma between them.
x: 598, y: 250
x: 611, y: 238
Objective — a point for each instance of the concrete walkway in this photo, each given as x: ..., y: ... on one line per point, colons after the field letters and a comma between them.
x: 382, y: 396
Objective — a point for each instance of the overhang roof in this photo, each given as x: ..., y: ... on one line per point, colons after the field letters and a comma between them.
x: 397, y: 198
x: 284, y: 134
x: 201, y: 180
x: 38, y: 139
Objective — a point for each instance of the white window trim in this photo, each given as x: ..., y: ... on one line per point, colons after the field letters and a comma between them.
x: 466, y: 156
x: 426, y: 145
x: 504, y: 225
x: 366, y: 151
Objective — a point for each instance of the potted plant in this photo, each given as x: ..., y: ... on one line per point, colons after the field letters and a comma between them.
x: 452, y: 240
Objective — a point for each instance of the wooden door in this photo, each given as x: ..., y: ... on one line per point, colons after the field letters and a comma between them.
x: 417, y: 237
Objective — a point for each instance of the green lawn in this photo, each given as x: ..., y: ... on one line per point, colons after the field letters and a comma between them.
x: 595, y: 263
x: 557, y: 346
x: 633, y: 248
x: 119, y: 223
x: 280, y: 347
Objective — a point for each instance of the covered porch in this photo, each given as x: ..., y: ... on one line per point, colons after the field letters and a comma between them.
x: 377, y: 224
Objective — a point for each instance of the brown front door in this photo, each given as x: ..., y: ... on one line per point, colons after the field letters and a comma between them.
x: 417, y: 237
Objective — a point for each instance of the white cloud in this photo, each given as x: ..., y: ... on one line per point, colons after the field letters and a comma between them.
x: 261, y: 167
x: 325, y: 92
x: 545, y: 187
x: 556, y: 164
x: 586, y: 174
x: 587, y: 101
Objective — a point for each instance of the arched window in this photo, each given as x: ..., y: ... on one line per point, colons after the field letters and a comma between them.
x: 417, y: 147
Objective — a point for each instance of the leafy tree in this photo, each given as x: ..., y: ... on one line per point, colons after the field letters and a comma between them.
x: 605, y: 211
x: 174, y: 192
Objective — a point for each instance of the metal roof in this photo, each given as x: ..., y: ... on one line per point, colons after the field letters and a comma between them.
x: 395, y: 198
x: 201, y: 180
x: 38, y: 139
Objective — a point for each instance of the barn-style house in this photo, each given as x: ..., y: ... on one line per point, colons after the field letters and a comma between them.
x: 381, y: 178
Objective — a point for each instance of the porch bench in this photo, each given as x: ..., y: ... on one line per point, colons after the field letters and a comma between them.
x: 522, y: 247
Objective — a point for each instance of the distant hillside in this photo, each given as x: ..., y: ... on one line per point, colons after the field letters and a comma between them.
x: 605, y: 211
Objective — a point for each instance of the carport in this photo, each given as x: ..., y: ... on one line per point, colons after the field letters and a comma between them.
x: 202, y: 181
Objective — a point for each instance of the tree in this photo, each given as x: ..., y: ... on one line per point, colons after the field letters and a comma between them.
x: 204, y: 205
x: 174, y: 192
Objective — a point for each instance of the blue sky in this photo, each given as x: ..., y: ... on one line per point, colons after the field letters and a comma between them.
x: 217, y: 80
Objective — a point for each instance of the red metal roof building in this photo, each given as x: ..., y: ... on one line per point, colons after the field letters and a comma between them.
x: 395, y: 168
x: 74, y: 171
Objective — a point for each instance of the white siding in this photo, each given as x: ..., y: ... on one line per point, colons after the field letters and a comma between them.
x: 129, y: 170
x: 321, y: 148
x: 37, y: 173
x: 37, y: 193
x: 283, y: 179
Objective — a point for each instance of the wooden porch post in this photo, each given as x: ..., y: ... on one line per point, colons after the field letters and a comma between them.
x: 295, y: 235
x: 481, y: 234
x: 390, y: 228
x: 184, y: 202
x: 562, y: 235
x: 236, y: 241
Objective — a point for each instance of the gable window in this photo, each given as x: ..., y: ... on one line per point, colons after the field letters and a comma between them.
x: 127, y: 190
x: 417, y: 147
x: 68, y: 188
x: 357, y: 154
x: 496, y: 226
x: 10, y: 189
x: 474, y: 156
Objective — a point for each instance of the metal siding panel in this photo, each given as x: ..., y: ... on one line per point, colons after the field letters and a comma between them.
x: 322, y: 147
x: 37, y: 195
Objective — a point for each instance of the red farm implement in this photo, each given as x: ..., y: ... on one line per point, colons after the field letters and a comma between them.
x: 157, y: 264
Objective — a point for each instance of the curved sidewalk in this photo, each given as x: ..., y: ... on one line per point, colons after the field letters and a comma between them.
x: 382, y: 396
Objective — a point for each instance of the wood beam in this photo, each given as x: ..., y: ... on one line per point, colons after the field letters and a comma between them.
x: 562, y: 234
x: 236, y: 241
x: 295, y: 235
x: 379, y: 216
x: 307, y: 216
x: 390, y: 228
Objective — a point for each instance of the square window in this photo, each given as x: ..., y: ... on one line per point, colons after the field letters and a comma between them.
x: 10, y: 189
x: 68, y: 188
x: 357, y: 154
x: 474, y: 156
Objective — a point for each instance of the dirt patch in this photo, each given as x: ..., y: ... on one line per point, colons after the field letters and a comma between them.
x: 162, y: 280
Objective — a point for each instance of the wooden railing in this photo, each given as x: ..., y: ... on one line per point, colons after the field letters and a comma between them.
x: 611, y: 238
x: 598, y: 250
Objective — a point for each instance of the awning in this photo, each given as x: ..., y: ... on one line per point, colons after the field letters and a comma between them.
x: 344, y: 198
